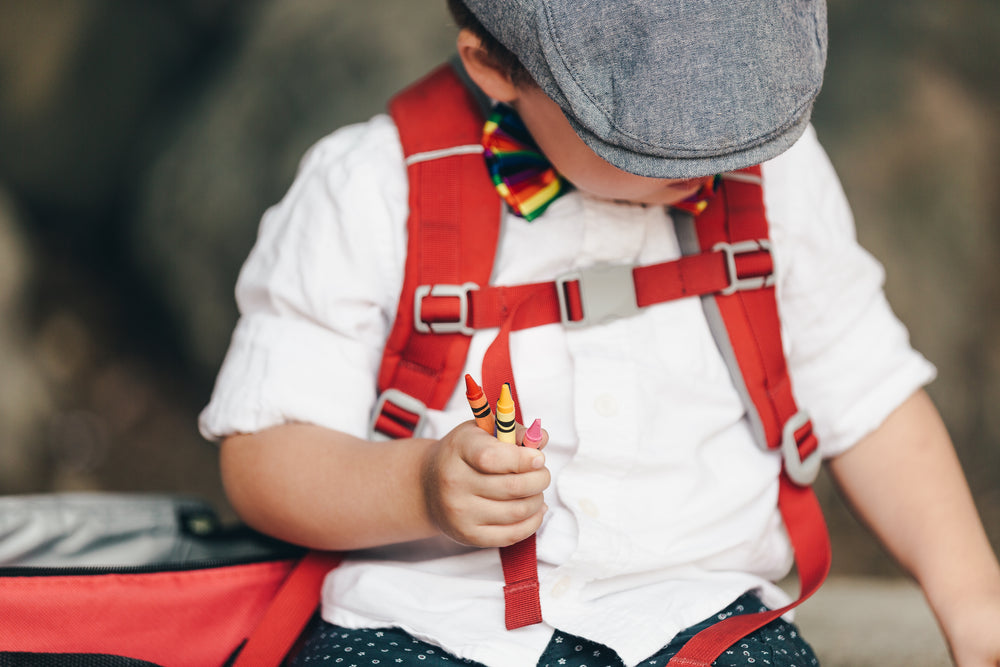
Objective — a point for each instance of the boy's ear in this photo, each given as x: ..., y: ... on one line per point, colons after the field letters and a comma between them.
x: 483, y: 70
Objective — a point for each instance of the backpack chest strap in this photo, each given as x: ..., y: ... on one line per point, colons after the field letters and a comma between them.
x: 595, y: 294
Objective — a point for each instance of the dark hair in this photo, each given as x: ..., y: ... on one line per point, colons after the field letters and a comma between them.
x: 501, y: 55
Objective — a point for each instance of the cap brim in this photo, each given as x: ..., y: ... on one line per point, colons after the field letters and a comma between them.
x: 694, y: 166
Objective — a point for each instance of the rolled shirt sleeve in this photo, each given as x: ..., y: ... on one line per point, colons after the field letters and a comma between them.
x: 849, y: 356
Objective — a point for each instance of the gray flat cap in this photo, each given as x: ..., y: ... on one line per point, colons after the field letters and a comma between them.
x: 672, y: 88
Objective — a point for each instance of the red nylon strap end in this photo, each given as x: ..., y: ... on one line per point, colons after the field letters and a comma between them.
x: 523, y: 607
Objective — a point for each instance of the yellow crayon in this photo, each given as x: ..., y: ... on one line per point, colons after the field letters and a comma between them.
x: 505, y: 416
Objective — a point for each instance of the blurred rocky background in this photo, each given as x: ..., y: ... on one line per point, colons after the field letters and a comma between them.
x: 141, y: 141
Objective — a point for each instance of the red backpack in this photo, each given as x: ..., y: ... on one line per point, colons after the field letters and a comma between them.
x: 453, y: 226
x: 142, y: 580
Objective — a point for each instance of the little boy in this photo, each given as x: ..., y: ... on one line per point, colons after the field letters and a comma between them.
x: 655, y: 512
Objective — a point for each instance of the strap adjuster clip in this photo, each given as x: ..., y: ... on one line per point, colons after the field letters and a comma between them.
x: 731, y: 250
x: 801, y: 471
x: 460, y: 292
x: 396, y: 415
x: 607, y: 292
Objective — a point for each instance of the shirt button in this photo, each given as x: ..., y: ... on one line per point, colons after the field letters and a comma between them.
x: 606, y: 405
x: 588, y: 507
x: 561, y: 587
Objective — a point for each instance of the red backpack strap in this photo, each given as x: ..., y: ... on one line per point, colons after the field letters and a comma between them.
x: 453, y: 227
x: 453, y: 230
x: 289, y: 612
x: 745, y: 323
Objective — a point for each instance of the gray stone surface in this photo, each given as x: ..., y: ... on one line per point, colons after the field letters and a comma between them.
x: 81, y: 83
x: 25, y: 394
x: 302, y: 69
x: 872, y: 622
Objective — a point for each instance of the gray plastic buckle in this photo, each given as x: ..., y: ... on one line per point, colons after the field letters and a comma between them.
x: 401, y: 400
x: 461, y: 292
x: 607, y: 292
x: 731, y: 250
x: 802, y: 472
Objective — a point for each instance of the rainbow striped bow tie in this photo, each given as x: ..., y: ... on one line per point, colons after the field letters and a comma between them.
x: 526, y: 180
x: 522, y: 175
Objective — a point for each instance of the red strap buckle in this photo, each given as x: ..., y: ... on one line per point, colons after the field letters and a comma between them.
x: 732, y: 251
x: 436, y: 322
x: 606, y: 292
x: 396, y: 415
x: 797, y: 437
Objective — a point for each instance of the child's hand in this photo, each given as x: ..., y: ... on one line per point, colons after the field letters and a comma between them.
x: 973, y: 632
x: 482, y: 492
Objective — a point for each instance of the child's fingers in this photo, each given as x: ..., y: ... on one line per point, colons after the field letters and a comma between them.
x: 545, y: 439
x: 504, y: 536
x: 507, y: 525
x: 489, y: 457
x: 513, y: 486
x: 507, y: 512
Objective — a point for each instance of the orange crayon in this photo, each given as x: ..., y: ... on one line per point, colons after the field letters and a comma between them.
x: 480, y: 406
x: 505, y: 416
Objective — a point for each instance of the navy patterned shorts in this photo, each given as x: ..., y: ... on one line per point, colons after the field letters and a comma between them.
x: 777, y: 644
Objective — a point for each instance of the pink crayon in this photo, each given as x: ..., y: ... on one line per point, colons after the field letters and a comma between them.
x: 533, y: 436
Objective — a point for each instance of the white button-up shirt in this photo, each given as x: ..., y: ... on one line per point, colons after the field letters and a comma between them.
x: 662, y: 510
